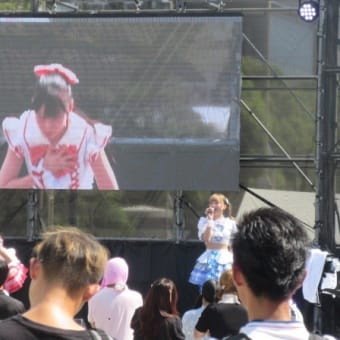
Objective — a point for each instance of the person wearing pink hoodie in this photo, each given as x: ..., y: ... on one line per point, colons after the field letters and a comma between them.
x: 112, y: 308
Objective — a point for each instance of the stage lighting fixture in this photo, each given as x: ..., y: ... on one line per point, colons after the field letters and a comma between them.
x: 309, y: 10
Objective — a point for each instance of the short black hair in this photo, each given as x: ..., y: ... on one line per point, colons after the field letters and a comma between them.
x: 4, y: 270
x: 209, y: 290
x: 270, y: 249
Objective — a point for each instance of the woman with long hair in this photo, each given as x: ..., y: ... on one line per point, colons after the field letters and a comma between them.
x: 158, y: 318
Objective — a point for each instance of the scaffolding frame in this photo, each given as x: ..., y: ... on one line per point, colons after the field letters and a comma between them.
x: 326, y: 154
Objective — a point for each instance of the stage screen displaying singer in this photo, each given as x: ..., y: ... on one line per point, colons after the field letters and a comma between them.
x: 134, y: 102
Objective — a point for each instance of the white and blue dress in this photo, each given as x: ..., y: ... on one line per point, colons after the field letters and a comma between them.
x: 81, y: 140
x: 213, y: 262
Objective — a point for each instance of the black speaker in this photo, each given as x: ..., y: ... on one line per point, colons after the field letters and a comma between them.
x: 330, y: 311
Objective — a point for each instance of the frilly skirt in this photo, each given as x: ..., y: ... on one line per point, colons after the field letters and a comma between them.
x: 210, y: 265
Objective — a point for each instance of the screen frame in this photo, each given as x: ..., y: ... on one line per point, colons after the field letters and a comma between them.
x: 129, y: 183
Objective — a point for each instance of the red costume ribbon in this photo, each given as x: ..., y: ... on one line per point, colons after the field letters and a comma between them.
x: 38, y: 152
x: 67, y: 74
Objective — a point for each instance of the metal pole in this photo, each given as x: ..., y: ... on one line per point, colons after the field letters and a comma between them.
x: 320, y: 190
x: 35, y: 6
x: 326, y: 126
x: 179, y: 215
x: 50, y: 207
x: 326, y: 135
x: 32, y: 215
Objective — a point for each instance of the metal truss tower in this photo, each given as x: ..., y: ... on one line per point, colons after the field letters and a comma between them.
x: 327, y: 156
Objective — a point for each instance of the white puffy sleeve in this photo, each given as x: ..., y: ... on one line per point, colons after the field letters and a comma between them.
x: 229, y: 229
x: 99, y: 137
x: 202, y: 226
x: 13, y: 132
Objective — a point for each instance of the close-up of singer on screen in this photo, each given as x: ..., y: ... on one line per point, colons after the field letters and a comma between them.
x: 62, y: 148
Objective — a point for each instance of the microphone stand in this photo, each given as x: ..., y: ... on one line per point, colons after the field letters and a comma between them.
x: 179, y: 215
x: 179, y: 203
x: 189, y: 205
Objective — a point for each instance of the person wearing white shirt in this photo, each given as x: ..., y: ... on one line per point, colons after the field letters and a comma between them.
x: 112, y: 308
x: 191, y: 316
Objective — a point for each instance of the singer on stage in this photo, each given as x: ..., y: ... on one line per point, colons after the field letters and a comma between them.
x: 215, y: 230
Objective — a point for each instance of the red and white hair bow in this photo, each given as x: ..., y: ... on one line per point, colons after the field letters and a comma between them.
x: 42, y: 70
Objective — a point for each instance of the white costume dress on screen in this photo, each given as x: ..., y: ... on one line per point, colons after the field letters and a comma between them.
x: 81, y: 139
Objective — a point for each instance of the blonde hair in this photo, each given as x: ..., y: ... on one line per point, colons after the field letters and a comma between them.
x: 222, y: 199
x: 72, y: 257
x: 226, y: 284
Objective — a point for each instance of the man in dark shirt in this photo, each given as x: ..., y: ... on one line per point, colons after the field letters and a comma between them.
x: 8, y: 305
x: 221, y: 319
x: 65, y: 271
x: 225, y: 317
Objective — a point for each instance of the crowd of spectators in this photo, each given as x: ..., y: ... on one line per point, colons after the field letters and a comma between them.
x: 69, y: 268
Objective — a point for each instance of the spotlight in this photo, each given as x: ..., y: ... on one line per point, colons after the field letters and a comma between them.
x: 308, y: 10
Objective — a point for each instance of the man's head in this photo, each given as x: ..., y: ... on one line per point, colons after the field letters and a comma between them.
x: 269, y: 254
x: 4, y: 270
x: 67, y: 258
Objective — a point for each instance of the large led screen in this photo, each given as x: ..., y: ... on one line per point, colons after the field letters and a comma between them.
x: 127, y: 102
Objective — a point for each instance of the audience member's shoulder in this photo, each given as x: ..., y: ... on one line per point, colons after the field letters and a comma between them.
x: 218, y: 307
x: 135, y: 293
x: 173, y: 319
x: 9, y: 325
x: 17, y: 302
x: 17, y: 306
x: 191, y: 312
x: 12, y: 320
x: 211, y: 308
x: 131, y: 294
